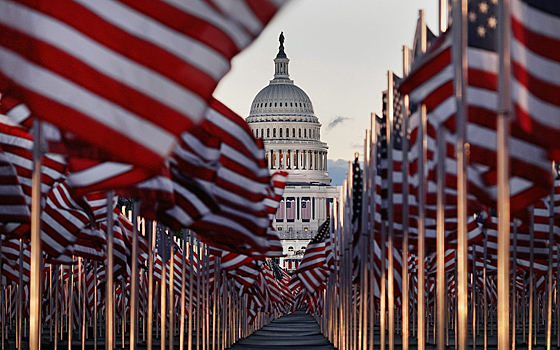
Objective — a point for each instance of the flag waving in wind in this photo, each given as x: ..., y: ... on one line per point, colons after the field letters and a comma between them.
x: 139, y: 73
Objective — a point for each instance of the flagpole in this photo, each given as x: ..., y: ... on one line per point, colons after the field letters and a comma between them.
x: 364, y: 247
x: 163, y: 292
x: 473, y: 296
x: 183, y: 273
x: 441, y: 282
x: 405, y: 285
x: 373, y: 170
x: 531, y: 278
x: 109, y: 299
x: 442, y: 16
x: 514, y: 269
x: 504, y: 25
x: 421, y: 330
x: 4, y: 306
x: 84, y: 290
x: 390, y: 211
x: 550, y: 246
x: 20, y: 297
x: 150, y: 235
x: 461, y: 71
x: 71, y: 306
x: 36, y: 253
x: 191, y: 273
x: 485, y: 290
x: 171, y: 293
x: 133, y: 337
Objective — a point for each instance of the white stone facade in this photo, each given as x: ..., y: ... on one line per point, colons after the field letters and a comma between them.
x: 282, y: 115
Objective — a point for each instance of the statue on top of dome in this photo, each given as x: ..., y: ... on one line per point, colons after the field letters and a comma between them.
x: 281, y: 48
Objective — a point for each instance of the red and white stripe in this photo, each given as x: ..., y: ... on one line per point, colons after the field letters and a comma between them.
x: 535, y: 64
x: 116, y: 67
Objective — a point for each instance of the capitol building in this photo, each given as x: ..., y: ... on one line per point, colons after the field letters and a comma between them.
x: 282, y: 115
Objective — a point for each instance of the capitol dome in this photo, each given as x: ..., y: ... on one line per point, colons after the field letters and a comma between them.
x: 282, y: 98
x: 282, y: 115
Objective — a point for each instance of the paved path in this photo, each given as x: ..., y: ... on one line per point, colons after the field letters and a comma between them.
x: 296, y: 331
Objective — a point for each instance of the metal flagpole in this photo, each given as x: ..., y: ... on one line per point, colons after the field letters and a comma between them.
x: 373, y: 170
x: 171, y: 294
x: 198, y: 299
x: 514, y: 269
x: 485, y: 290
x: 182, y: 304
x: 84, y: 291
x: 216, y: 301
x: 163, y: 295
x: 405, y: 285
x: 531, y: 276
x: 150, y: 235
x: 421, y: 331
x: 133, y: 337
x: 58, y: 288
x: 94, y: 305
x: 473, y: 296
x: 461, y: 70
x: 109, y: 299
x: 441, y: 282
x: 4, y: 306
x: 36, y: 265
x: 123, y: 317
x: 191, y: 274
x: 550, y: 246
x: 504, y: 25
x: 364, y: 247
x: 71, y: 307
x: 557, y: 296
x: 390, y: 212
x: 382, y: 302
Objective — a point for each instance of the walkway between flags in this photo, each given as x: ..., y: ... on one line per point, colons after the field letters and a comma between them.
x: 296, y: 331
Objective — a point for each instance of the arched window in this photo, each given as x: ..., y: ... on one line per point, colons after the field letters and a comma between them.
x: 267, y: 132
x: 290, y: 249
x: 275, y: 104
x: 280, y: 132
x: 262, y: 132
x: 302, y: 248
x: 274, y: 132
x: 299, y: 132
x: 293, y: 132
x: 305, y: 133
x: 287, y: 132
x: 257, y: 133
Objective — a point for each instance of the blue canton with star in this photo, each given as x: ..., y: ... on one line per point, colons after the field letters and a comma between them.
x: 483, y: 24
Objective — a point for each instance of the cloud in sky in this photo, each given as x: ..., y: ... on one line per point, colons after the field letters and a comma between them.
x: 336, y: 121
x: 357, y: 145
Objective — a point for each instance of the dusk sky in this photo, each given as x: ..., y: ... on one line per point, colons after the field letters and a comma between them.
x: 340, y: 52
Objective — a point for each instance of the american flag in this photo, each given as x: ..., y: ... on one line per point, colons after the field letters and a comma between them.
x: 330, y: 207
x: 280, y: 213
x: 357, y: 192
x: 116, y: 67
x: 290, y: 209
x: 431, y: 83
x: 163, y: 243
x: 536, y: 70
x: 305, y: 209
x: 313, y: 270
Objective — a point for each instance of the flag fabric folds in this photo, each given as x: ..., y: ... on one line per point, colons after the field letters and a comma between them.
x: 117, y: 67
